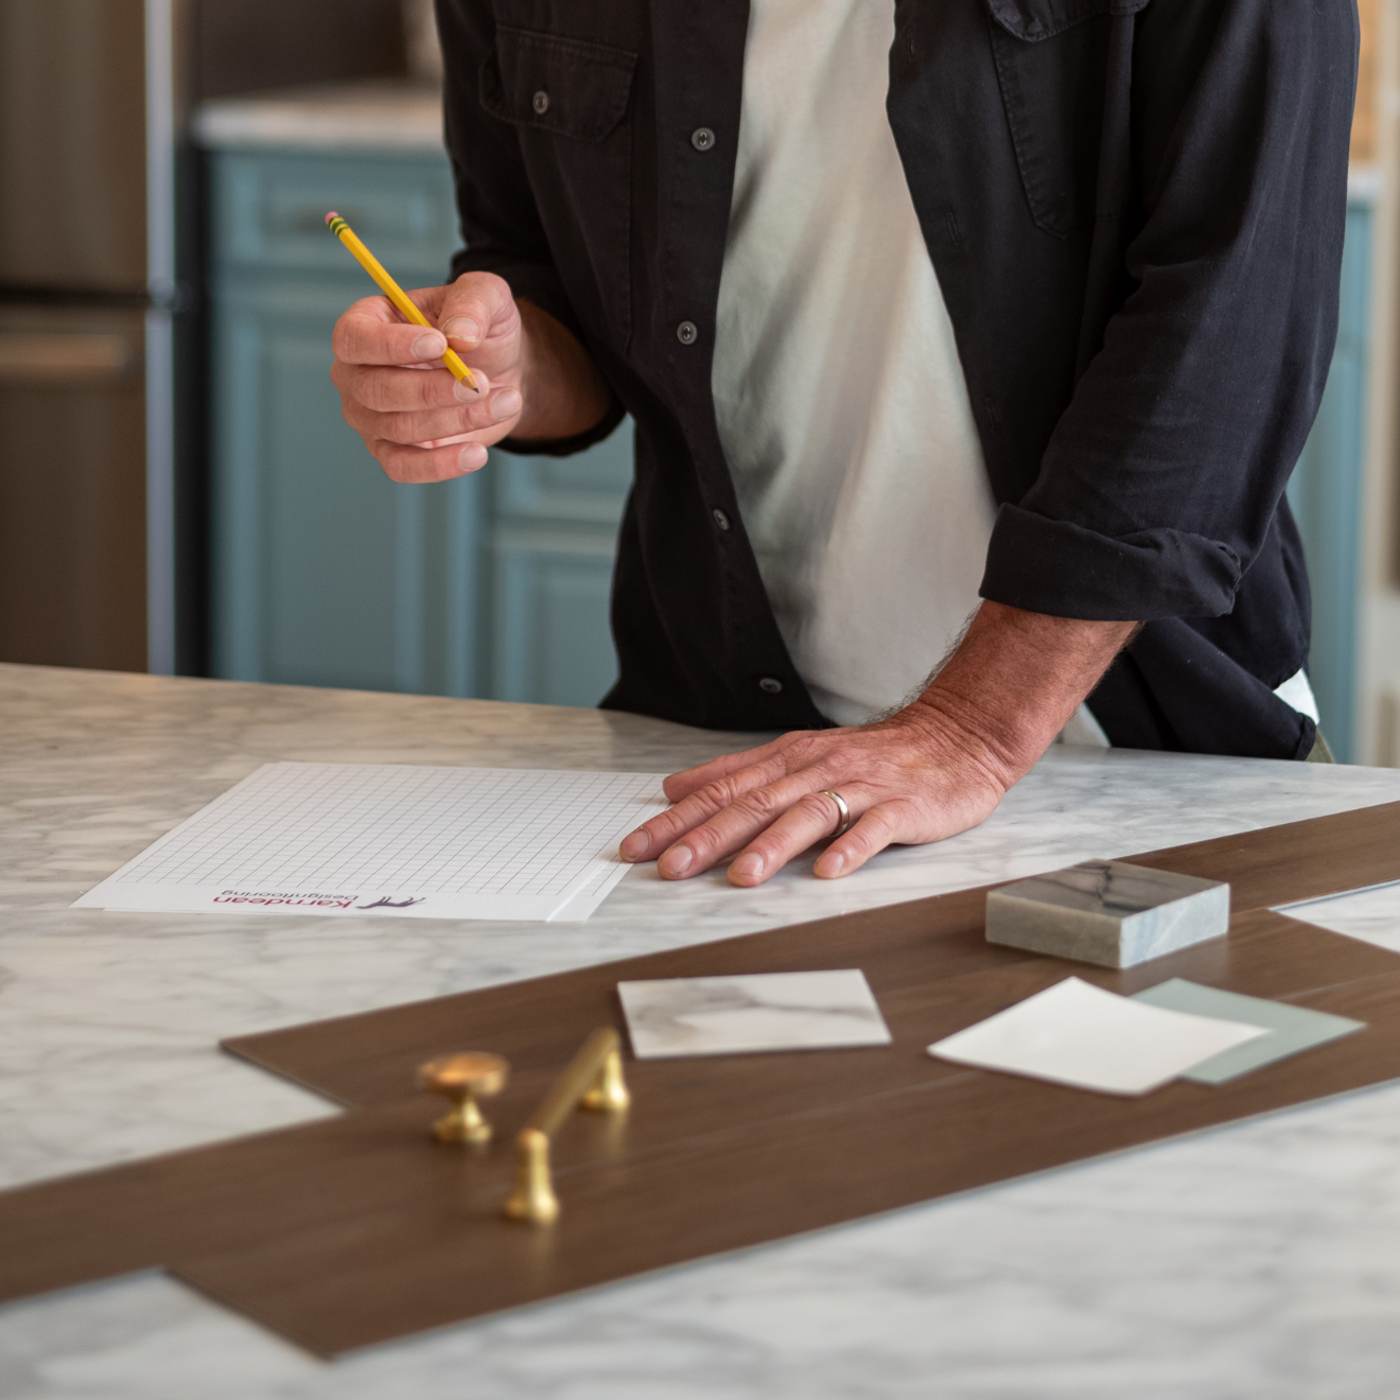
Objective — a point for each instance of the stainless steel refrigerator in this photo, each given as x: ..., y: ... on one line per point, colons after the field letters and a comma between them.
x: 101, y: 450
x: 82, y: 318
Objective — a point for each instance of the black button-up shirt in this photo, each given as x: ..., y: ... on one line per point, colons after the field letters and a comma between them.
x: 1135, y: 211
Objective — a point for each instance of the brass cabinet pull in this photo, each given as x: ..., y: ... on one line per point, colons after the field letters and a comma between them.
x: 47, y: 357
x: 593, y: 1081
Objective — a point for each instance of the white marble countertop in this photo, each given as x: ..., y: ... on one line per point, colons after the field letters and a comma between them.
x: 1258, y: 1260
x: 376, y: 114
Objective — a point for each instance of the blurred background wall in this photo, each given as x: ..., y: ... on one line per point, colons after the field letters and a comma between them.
x: 177, y: 488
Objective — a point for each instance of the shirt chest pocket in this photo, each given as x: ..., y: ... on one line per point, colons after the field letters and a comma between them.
x: 1052, y: 61
x: 569, y: 101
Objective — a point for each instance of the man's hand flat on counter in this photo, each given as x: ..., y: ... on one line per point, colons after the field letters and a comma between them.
x: 937, y: 767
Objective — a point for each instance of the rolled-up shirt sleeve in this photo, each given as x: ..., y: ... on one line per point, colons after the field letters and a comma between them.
x: 1162, y: 477
x: 496, y: 207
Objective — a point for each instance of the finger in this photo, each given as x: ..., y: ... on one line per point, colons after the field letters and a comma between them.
x: 495, y: 409
x: 680, y: 785
x: 738, y: 823
x: 400, y: 390
x: 807, y: 820
x: 655, y: 835
x: 372, y: 333
x: 881, y: 826
x: 420, y: 464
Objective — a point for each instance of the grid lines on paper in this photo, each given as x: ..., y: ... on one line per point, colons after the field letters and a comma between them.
x: 338, y: 827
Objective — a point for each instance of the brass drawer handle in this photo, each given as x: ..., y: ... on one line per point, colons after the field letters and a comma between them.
x: 592, y: 1080
x: 28, y: 357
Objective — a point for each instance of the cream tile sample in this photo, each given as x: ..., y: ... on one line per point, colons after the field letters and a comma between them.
x: 756, y: 1012
x: 1077, y: 1034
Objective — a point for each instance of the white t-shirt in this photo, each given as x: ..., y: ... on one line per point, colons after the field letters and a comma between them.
x: 841, y: 402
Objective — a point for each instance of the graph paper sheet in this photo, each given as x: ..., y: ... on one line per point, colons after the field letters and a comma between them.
x: 378, y: 839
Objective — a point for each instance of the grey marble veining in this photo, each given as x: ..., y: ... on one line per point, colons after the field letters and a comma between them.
x: 1262, y: 1260
x: 751, y: 1013
x: 1108, y: 912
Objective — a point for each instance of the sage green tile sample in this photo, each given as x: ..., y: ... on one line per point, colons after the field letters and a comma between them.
x: 1292, y: 1028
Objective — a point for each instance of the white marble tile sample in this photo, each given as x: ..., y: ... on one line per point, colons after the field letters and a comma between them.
x: 757, y: 1012
x: 1108, y: 912
x: 1077, y: 1034
x: 1291, y: 1029
x: 393, y: 840
x: 1371, y: 914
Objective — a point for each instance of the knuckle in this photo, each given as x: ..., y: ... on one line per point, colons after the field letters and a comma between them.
x: 396, y: 462
x: 428, y: 387
x: 705, y: 841
x: 371, y: 390
x: 407, y: 427
x: 721, y: 792
x: 875, y: 827
x: 350, y: 411
x: 763, y: 802
x: 805, y: 749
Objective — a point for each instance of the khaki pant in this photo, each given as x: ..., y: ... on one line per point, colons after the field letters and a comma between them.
x: 1321, y: 751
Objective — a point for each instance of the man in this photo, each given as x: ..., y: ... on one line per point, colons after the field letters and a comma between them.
x: 1038, y: 290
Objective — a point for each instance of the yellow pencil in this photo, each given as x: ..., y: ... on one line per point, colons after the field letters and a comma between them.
x: 393, y: 291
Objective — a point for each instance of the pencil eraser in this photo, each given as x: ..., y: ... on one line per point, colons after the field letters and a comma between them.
x: 1108, y: 912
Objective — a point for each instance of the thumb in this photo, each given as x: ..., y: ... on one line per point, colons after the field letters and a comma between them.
x: 478, y: 307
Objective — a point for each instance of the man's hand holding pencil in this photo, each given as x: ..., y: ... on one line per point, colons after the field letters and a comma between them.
x: 534, y: 380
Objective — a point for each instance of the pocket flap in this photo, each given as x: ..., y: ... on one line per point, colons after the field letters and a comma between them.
x: 566, y: 86
x: 1034, y: 20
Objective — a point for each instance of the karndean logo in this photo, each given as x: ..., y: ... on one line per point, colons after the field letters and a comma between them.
x: 319, y: 901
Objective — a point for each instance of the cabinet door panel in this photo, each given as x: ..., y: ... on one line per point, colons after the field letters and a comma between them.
x: 590, y: 487
x: 269, y: 211
x: 325, y: 572
x: 551, y: 641
x: 328, y: 517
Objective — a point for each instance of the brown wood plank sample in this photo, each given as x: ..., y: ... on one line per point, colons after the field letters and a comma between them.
x: 637, y: 1210
x: 355, y: 1230
x: 370, y: 1058
x: 1295, y: 861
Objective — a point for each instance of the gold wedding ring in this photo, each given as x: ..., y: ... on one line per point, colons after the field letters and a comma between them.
x: 843, y: 811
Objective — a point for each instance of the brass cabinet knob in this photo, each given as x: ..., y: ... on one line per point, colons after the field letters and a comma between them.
x: 462, y: 1079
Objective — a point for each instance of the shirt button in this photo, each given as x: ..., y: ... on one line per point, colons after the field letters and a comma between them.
x: 541, y: 103
x: 687, y: 332
x: 771, y: 685
x: 702, y: 138
x: 721, y: 519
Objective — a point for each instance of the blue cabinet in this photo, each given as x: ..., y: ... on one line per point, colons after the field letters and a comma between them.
x: 1325, y: 493
x: 324, y: 571
x: 551, y: 548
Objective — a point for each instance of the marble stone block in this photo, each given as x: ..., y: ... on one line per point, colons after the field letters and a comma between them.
x: 1107, y: 912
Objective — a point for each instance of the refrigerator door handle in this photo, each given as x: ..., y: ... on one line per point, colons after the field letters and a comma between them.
x: 48, y: 357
